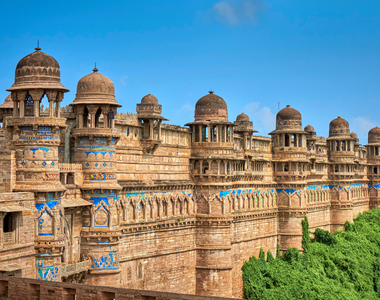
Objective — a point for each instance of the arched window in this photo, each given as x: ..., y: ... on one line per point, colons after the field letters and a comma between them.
x: 287, y: 140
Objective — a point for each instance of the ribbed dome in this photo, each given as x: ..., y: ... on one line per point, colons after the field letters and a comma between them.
x: 149, y: 99
x: 242, y: 118
x: 95, y: 88
x: 37, y: 70
x: 309, y: 128
x: 211, y: 107
x: 374, y: 135
x: 288, y: 118
x: 339, y: 127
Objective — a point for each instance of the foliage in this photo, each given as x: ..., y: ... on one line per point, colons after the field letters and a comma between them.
x: 342, y: 265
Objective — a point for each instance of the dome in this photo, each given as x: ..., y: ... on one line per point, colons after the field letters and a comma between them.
x: 211, y: 107
x: 309, y: 128
x: 354, y: 135
x: 37, y: 70
x: 8, y: 103
x: 242, y: 118
x: 339, y: 127
x: 374, y: 135
x: 95, y: 88
x: 149, y: 99
x: 288, y: 118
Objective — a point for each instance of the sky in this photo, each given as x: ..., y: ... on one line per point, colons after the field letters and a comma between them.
x: 321, y: 57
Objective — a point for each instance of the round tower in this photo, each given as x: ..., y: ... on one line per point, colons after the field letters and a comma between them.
x: 95, y: 139
x: 36, y: 139
x: 150, y: 119
x: 289, y: 147
x: 212, y: 161
x: 341, y: 150
x: 212, y: 141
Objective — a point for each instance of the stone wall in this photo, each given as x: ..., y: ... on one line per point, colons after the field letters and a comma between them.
x: 22, y: 288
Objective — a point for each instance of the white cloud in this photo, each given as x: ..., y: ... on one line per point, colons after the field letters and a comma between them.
x: 238, y: 12
x: 185, y: 108
x: 361, y: 125
x: 262, y: 117
x: 124, y: 80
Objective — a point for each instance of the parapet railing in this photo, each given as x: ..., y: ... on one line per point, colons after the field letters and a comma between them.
x: 77, y: 267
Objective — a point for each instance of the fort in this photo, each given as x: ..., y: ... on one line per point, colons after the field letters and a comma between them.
x: 92, y: 195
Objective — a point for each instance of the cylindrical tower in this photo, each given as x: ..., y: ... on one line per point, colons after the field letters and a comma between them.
x: 95, y: 139
x: 212, y: 156
x: 341, y: 150
x: 289, y: 147
x: 36, y: 140
x: 212, y: 159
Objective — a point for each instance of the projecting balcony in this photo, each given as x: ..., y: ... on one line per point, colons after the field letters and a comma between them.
x: 75, y: 268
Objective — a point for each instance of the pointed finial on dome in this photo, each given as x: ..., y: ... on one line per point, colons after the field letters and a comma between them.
x: 38, y: 46
x: 211, y: 91
x: 95, y: 69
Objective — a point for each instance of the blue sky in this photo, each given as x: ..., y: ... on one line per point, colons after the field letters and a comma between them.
x: 321, y: 57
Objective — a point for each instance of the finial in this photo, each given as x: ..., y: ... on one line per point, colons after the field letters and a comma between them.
x: 287, y: 105
x: 338, y: 117
x: 211, y: 91
x: 95, y: 69
x: 38, y: 46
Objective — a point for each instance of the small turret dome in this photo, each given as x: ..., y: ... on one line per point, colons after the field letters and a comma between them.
x: 149, y: 99
x: 242, y: 118
x: 8, y: 103
x: 309, y: 128
x: 95, y: 88
x: 288, y: 118
x: 339, y: 127
x: 37, y: 70
x: 374, y: 135
x: 211, y: 107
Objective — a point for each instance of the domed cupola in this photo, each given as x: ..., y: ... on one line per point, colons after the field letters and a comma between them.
x: 211, y: 107
x: 289, y: 146
x: 373, y: 146
x: 339, y: 127
x: 95, y: 97
x: 355, y: 137
x: 243, y: 124
x: 374, y: 136
x: 341, y: 149
x: 309, y: 129
x: 37, y: 70
x: 95, y: 88
x: 288, y: 118
x: 150, y: 119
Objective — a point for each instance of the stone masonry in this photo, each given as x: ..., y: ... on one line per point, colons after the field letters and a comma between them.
x: 92, y: 195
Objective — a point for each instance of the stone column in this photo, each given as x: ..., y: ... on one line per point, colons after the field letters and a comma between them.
x: 79, y: 110
x: 58, y: 109
x: 201, y: 167
x: 159, y: 130
x: 36, y: 96
x: 218, y: 167
x: 150, y: 129
x: 200, y: 133
x: 209, y: 133
x: 217, y: 133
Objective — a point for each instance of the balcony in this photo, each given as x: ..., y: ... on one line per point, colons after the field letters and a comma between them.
x: 75, y: 268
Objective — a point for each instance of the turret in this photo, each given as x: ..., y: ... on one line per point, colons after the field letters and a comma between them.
x: 289, y: 146
x: 95, y: 140
x: 36, y: 139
